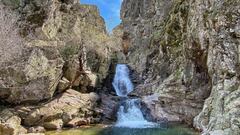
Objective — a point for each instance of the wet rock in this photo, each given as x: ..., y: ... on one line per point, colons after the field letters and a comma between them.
x: 109, y: 106
x: 53, y: 125
x: 77, y: 122
x: 37, y: 129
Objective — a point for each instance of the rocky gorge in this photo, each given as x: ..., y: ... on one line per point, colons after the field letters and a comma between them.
x: 58, y: 60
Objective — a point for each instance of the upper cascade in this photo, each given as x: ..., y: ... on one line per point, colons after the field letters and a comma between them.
x: 121, y: 83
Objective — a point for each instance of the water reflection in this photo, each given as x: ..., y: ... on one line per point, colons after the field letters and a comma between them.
x: 177, y: 130
x: 146, y: 131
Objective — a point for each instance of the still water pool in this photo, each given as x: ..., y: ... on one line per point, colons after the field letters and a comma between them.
x: 98, y: 130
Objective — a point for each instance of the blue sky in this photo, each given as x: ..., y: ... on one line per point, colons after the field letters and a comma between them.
x: 109, y: 10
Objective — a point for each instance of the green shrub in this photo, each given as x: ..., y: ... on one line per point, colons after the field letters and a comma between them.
x: 11, y: 3
x: 69, y: 51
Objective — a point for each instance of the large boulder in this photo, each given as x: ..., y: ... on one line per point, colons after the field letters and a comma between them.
x: 42, y: 41
x: 63, y: 110
x: 32, y: 79
x: 30, y: 70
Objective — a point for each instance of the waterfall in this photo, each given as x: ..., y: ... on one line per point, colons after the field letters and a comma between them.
x: 129, y: 113
x: 121, y: 83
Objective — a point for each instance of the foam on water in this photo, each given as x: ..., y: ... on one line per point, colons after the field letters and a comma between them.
x: 129, y: 113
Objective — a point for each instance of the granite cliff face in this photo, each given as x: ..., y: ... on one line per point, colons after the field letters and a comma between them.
x: 187, y: 54
x: 57, y: 63
x: 54, y: 55
x: 42, y: 39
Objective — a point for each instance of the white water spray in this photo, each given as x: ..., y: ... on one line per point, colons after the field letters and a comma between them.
x: 129, y: 113
x: 121, y: 83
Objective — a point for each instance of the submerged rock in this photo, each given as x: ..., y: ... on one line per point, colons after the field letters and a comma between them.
x: 37, y: 129
x: 54, y: 124
x: 33, y: 134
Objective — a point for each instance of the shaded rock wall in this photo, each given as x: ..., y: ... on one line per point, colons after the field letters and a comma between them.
x: 187, y: 53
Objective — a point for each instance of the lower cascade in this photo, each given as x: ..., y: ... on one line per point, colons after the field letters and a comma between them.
x: 129, y: 114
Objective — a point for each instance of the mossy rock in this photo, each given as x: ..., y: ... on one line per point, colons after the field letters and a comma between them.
x: 11, y: 3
